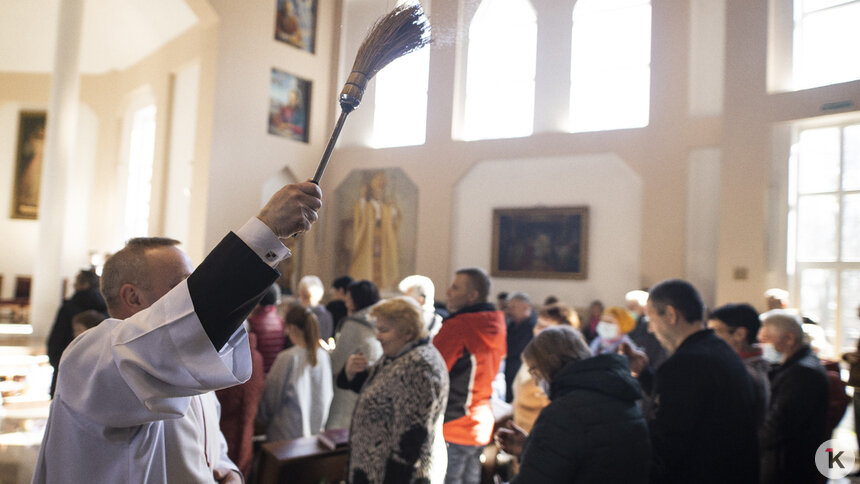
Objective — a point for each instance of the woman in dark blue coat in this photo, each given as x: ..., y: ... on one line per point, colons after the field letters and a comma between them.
x: 592, y: 431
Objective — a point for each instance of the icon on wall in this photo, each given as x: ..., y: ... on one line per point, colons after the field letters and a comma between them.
x: 289, y: 106
x: 295, y: 23
x: 28, y: 165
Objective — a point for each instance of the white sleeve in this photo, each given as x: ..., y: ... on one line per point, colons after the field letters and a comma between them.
x: 142, y: 369
x: 223, y: 456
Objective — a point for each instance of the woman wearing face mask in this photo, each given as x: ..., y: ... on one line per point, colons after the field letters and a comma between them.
x: 615, y: 323
x: 592, y: 431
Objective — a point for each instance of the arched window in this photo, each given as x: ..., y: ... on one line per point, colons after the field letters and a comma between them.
x: 400, y: 108
x: 610, y: 76
x: 826, y: 37
x: 500, y: 74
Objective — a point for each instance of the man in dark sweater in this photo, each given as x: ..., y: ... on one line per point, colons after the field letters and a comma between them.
x: 521, y: 321
x: 796, y: 420
x: 703, y: 420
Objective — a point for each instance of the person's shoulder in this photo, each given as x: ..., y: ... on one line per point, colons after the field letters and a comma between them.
x: 428, y: 356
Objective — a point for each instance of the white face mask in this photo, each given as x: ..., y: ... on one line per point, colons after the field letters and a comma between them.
x: 607, y: 331
x: 769, y: 353
x: 544, y: 385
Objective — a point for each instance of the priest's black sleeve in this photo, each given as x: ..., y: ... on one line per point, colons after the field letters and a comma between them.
x: 227, y: 286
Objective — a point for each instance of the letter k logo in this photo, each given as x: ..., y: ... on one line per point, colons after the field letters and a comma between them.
x: 834, y: 458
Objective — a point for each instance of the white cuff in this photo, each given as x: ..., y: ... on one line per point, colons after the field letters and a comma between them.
x: 260, y: 238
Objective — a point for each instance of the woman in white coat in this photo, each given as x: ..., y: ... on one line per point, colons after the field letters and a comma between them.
x: 298, y: 388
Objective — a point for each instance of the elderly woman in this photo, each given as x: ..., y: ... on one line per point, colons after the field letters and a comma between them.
x: 396, y: 431
x: 592, y: 431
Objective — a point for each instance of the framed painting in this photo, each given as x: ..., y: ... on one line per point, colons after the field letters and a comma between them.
x: 295, y: 23
x: 540, y: 243
x: 28, y: 165
x: 289, y: 106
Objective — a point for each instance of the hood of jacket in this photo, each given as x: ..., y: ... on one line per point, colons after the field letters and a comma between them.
x: 608, y: 374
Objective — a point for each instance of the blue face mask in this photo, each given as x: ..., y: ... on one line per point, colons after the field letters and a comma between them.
x: 769, y: 353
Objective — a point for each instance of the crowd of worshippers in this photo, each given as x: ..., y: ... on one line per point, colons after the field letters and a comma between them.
x: 658, y: 389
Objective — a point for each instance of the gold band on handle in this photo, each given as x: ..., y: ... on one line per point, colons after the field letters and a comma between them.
x: 353, y: 90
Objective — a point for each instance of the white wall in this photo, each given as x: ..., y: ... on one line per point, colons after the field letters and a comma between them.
x: 603, y: 182
x: 19, y: 240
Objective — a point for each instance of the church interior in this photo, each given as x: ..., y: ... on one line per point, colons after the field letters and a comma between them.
x: 716, y: 141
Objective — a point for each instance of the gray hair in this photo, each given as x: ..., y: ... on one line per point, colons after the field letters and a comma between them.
x: 422, y: 285
x: 784, y: 322
x: 314, y: 287
x: 519, y: 296
x: 639, y: 296
x: 129, y: 266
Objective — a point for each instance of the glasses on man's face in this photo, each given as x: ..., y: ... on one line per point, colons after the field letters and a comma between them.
x: 535, y: 374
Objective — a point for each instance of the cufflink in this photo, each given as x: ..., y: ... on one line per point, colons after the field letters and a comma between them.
x: 271, y: 256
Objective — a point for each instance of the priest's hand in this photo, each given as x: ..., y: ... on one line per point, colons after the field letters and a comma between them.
x: 292, y: 209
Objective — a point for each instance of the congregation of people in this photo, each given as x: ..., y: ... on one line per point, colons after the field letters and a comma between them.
x: 654, y: 387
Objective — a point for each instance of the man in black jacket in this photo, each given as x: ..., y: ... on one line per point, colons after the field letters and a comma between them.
x: 703, y: 421
x: 796, y: 420
x: 86, y: 296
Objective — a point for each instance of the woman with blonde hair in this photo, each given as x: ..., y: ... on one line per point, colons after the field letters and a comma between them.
x: 298, y: 389
x: 529, y: 399
x: 396, y: 431
x: 592, y: 431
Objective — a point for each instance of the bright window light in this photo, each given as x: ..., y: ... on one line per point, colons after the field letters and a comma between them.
x: 610, y: 75
x: 500, y: 74
x: 826, y: 37
x: 824, y: 237
x: 140, y: 161
x: 400, y: 110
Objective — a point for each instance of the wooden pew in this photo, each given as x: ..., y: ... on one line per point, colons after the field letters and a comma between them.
x: 303, y: 460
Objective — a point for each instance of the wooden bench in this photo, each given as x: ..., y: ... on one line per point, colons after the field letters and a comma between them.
x: 303, y: 460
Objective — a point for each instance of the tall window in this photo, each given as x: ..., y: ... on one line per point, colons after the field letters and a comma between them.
x: 400, y: 109
x: 500, y: 75
x: 610, y: 75
x: 141, y: 153
x: 824, y: 228
x: 826, y: 37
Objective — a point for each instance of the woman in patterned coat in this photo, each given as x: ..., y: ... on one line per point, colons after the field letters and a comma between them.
x: 396, y: 431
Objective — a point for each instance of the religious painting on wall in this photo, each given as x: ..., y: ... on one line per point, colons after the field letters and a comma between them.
x: 376, y: 214
x: 295, y: 23
x: 544, y: 243
x: 28, y: 165
x: 289, y: 106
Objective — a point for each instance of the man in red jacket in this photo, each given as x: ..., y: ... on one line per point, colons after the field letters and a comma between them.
x: 472, y: 342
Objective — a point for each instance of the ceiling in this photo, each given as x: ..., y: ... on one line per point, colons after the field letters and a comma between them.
x: 116, y: 33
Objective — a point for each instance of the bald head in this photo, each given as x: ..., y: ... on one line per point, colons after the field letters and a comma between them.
x: 141, y: 273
